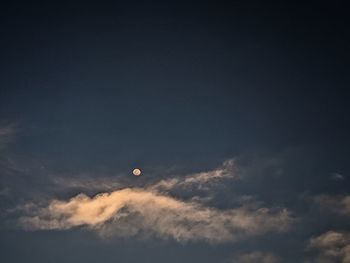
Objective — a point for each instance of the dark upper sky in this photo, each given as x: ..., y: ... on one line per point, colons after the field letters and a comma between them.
x: 98, y: 88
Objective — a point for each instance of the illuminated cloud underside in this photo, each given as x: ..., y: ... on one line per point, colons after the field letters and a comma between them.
x: 146, y: 211
x: 332, y: 246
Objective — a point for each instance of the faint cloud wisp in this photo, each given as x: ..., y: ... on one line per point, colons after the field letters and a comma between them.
x: 336, y: 204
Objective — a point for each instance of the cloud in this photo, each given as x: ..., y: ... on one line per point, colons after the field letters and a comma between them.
x: 7, y: 166
x: 201, y: 180
x: 86, y: 183
x: 336, y: 204
x: 337, y: 177
x: 6, y: 134
x: 152, y: 211
x: 331, y: 246
x: 4, y: 192
x: 256, y: 257
x: 137, y: 210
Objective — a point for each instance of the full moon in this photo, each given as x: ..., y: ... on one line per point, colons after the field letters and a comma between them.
x: 136, y: 172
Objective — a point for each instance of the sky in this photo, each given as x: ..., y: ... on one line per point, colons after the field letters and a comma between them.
x: 236, y: 113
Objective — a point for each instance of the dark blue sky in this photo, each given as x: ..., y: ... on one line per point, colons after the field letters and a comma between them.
x: 93, y: 90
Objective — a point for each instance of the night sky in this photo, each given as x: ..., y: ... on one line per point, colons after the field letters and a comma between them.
x: 237, y: 114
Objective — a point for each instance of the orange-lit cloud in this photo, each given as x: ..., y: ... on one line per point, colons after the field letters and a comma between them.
x: 151, y: 210
x: 200, y: 180
x: 136, y: 210
x: 332, y: 246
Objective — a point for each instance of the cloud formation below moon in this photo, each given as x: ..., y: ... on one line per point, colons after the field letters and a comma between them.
x: 153, y: 211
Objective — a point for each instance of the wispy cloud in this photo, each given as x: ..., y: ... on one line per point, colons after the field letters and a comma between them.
x: 152, y: 210
x: 331, y: 246
x: 337, y: 177
x: 137, y: 210
x: 202, y: 180
x: 6, y: 134
x: 256, y: 257
x: 4, y: 192
x: 7, y: 166
x: 339, y: 204
x: 86, y: 183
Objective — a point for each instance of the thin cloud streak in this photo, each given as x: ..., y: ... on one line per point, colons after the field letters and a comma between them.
x: 196, y: 181
x: 256, y: 257
x: 337, y: 177
x: 6, y: 134
x: 201, y: 181
x: 86, y: 183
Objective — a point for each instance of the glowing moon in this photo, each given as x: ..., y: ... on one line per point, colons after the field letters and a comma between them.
x: 136, y: 172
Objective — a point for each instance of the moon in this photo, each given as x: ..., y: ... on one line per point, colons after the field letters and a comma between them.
x: 136, y: 172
